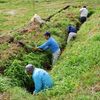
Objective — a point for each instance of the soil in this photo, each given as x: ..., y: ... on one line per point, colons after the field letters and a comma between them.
x: 96, y: 87
x: 4, y: 96
x: 47, y: 66
x: 2, y: 70
x: 13, y: 50
x: 6, y: 38
x: 29, y: 28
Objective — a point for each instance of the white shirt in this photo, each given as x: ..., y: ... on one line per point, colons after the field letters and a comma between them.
x: 83, y: 12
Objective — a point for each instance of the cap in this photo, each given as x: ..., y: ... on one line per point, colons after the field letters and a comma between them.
x: 47, y: 33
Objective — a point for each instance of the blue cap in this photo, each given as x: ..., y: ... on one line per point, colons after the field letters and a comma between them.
x: 47, y: 33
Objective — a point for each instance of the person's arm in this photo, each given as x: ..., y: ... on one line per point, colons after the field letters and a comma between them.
x: 38, y: 84
x: 81, y: 10
x: 44, y: 46
x: 36, y: 49
x: 68, y: 29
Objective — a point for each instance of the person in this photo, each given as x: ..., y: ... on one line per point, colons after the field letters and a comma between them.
x: 42, y: 80
x: 71, y: 32
x: 52, y: 45
x: 83, y: 14
x: 37, y: 19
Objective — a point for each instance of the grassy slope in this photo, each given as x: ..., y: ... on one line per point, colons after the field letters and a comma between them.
x: 75, y: 72
x: 22, y: 9
x: 78, y: 69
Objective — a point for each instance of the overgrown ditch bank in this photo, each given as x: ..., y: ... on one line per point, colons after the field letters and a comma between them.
x: 15, y: 68
x: 78, y: 26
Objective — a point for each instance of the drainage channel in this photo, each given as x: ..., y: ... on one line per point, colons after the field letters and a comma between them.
x: 30, y: 87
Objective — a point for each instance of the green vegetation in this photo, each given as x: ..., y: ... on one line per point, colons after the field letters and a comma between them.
x: 76, y: 73
x: 5, y: 83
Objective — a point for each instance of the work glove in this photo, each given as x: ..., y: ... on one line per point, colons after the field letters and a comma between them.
x: 34, y: 48
x: 37, y: 49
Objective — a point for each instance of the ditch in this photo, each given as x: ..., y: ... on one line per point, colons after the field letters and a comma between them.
x: 78, y: 26
x: 29, y: 85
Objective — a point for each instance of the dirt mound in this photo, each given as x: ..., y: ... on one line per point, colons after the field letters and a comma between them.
x: 47, y: 66
x: 13, y: 50
x: 71, y: 16
x: 96, y: 87
x: 4, y: 96
x: 27, y: 48
x: 2, y: 70
x: 29, y: 28
x: 6, y: 38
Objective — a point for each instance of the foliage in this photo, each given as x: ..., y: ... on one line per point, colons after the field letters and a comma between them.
x: 5, y: 83
x: 76, y: 71
x: 16, y: 73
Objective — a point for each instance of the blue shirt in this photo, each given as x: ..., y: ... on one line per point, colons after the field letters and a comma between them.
x: 50, y: 44
x: 42, y: 80
x: 71, y: 29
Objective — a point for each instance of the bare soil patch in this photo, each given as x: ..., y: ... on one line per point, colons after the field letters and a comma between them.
x: 6, y: 38
x: 4, y: 96
x: 96, y: 87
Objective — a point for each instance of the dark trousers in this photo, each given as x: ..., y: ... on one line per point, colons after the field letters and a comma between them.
x: 82, y: 19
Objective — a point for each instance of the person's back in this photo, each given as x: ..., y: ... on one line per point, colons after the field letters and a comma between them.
x: 71, y: 33
x: 50, y: 44
x: 53, y: 45
x: 71, y: 29
x: 83, y: 12
x: 41, y: 79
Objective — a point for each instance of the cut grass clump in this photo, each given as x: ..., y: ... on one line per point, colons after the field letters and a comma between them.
x: 55, y: 31
x: 5, y: 83
x: 16, y: 73
x: 18, y: 93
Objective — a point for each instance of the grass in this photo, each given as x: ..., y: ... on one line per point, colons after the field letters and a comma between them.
x: 77, y: 71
